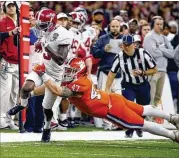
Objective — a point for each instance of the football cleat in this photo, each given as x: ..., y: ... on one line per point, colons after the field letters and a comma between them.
x: 63, y: 123
x: 71, y: 124
x: 174, y: 119
x: 54, y: 126
x: 46, y: 135
x: 139, y: 132
x: 61, y: 128
x: 15, y: 110
x: 176, y: 133
x: 129, y: 133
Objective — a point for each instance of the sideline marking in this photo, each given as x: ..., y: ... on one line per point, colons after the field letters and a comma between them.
x: 67, y: 136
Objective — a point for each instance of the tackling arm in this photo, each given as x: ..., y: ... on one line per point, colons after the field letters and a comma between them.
x: 55, y: 89
x: 61, y: 91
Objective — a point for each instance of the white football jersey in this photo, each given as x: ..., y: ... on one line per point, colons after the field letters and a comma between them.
x: 55, y: 38
x: 75, y: 43
x: 87, y: 37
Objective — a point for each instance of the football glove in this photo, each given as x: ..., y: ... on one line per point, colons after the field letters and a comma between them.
x: 38, y: 47
x: 39, y: 69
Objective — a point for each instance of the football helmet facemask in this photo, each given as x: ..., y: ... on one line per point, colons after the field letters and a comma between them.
x: 46, y: 20
x: 74, y: 68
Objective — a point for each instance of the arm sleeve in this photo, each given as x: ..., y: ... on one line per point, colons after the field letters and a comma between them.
x: 151, y: 47
x: 176, y: 56
x: 3, y: 36
x: 98, y: 48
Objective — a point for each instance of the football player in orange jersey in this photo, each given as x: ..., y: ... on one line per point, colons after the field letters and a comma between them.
x: 113, y: 107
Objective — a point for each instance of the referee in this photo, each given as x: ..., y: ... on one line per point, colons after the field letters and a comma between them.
x: 135, y: 65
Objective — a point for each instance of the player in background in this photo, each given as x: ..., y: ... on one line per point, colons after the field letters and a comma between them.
x: 88, y: 36
x: 84, y: 51
x: 113, y: 107
x: 75, y: 29
x: 54, y: 48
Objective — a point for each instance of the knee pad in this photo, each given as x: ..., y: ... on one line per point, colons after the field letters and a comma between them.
x: 26, y: 89
x: 48, y: 113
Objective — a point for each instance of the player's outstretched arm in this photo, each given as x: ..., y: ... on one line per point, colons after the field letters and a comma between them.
x: 61, y: 91
x: 55, y: 89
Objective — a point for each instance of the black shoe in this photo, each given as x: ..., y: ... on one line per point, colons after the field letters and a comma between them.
x: 71, y: 124
x: 139, y: 133
x: 46, y: 135
x: 63, y: 123
x: 129, y: 133
x: 15, y: 110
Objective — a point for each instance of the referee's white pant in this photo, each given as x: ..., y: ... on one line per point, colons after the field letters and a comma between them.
x: 116, y: 88
x: 9, y: 87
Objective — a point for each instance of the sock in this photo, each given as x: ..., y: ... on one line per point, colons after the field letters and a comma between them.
x: 157, y: 129
x: 46, y: 123
x: 24, y: 102
x: 72, y: 111
x: 63, y: 117
x: 150, y: 111
x: 32, y: 93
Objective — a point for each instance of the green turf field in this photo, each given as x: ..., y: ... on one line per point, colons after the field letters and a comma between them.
x: 91, y: 149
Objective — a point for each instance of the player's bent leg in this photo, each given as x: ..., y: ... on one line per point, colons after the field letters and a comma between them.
x: 24, y: 94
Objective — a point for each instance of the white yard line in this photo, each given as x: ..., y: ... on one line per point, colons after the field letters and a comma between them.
x: 66, y: 136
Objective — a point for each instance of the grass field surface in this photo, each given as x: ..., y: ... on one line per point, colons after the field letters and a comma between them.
x: 91, y: 149
x: 129, y: 148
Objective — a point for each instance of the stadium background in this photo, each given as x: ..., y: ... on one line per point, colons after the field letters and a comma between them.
x: 168, y: 10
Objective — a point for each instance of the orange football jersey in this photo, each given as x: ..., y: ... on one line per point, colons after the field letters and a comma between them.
x: 92, y: 102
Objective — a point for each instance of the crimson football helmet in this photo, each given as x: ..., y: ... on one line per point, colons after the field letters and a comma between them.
x: 46, y: 19
x: 74, y: 68
x: 83, y: 15
x: 75, y: 17
x: 83, y: 12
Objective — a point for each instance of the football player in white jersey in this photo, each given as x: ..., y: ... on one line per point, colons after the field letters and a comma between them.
x: 75, y: 29
x: 60, y: 107
x: 55, y: 48
x: 88, y: 36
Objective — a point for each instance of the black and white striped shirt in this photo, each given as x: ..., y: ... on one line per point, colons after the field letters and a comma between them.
x: 126, y: 64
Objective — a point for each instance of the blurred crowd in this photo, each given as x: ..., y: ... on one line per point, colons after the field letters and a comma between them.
x: 167, y: 9
x: 134, y: 18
